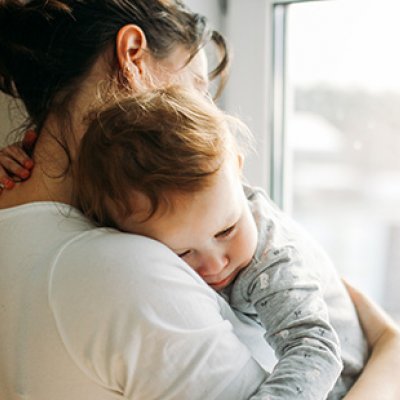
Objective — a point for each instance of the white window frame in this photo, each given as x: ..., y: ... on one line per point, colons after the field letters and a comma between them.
x: 278, y: 189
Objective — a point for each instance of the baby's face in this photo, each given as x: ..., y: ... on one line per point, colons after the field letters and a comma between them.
x: 213, y: 230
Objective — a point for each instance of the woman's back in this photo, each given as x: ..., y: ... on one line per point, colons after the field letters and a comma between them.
x: 33, y: 358
x: 103, y: 315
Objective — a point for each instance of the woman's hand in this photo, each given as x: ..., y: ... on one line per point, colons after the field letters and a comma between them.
x: 15, y: 164
x: 380, y: 378
x: 375, y: 321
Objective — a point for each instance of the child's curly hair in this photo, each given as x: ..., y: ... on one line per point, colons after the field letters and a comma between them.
x: 160, y: 143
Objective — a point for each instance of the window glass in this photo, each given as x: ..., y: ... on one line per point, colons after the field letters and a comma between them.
x: 342, y: 136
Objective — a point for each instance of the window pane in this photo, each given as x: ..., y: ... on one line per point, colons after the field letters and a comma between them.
x: 343, y: 136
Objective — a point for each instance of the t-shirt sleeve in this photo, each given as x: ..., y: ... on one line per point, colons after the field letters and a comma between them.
x: 141, y: 324
x: 289, y: 303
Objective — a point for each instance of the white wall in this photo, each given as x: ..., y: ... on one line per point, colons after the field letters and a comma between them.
x: 210, y: 8
x: 5, y: 121
x: 247, y: 28
x: 249, y: 91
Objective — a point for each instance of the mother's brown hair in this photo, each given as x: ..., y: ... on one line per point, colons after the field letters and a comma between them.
x: 48, y: 46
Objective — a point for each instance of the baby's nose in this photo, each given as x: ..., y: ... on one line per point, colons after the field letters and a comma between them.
x: 213, y: 265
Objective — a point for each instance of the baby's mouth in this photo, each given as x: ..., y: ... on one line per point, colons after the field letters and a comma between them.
x: 221, y: 284
x: 224, y: 282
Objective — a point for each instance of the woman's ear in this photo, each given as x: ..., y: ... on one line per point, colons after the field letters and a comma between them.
x: 130, y: 45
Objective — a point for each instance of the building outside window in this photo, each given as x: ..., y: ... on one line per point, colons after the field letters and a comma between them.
x: 337, y: 118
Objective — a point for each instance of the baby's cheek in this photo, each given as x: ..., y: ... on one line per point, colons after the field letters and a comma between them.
x: 252, y: 234
x: 247, y: 243
x: 193, y: 262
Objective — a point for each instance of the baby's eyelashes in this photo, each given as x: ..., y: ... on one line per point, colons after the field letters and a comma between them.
x: 183, y: 253
x: 226, y: 232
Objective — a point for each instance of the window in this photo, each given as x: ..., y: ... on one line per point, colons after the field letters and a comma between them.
x: 337, y: 131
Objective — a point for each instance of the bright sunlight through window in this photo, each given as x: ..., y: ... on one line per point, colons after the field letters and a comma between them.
x: 343, y: 136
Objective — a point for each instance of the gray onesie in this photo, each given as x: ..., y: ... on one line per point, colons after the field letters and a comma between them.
x: 292, y: 289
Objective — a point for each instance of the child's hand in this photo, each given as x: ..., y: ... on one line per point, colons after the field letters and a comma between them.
x: 15, y: 164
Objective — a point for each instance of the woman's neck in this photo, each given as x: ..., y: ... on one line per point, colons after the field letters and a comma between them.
x: 50, y: 179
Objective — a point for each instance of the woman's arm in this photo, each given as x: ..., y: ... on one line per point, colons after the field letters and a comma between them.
x: 380, y: 378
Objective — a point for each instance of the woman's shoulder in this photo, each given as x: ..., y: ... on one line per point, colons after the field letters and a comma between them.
x: 111, y: 267
x: 102, y: 249
x: 100, y: 253
x: 122, y: 301
x: 84, y: 259
x: 75, y: 251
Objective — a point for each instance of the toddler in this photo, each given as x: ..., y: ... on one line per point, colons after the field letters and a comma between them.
x: 167, y: 164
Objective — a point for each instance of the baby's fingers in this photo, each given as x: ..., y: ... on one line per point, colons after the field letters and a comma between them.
x: 16, y: 153
x: 14, y: 163
x: 5, y: 181
x: 29, y: 140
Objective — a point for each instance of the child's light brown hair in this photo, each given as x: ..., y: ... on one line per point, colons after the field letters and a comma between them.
x: 162, y: 142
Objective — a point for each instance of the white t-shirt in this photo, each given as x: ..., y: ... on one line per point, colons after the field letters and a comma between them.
x: 95, y: 314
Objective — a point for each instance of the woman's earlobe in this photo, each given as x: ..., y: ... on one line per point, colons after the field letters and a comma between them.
x: 132, y: 72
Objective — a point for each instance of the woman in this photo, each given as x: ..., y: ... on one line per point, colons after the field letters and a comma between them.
x: 91, y: 313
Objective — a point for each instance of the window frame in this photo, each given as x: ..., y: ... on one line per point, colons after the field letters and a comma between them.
x: 279, y: 187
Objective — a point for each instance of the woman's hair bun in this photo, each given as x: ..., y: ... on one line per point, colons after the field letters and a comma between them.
x: 20, y: 23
